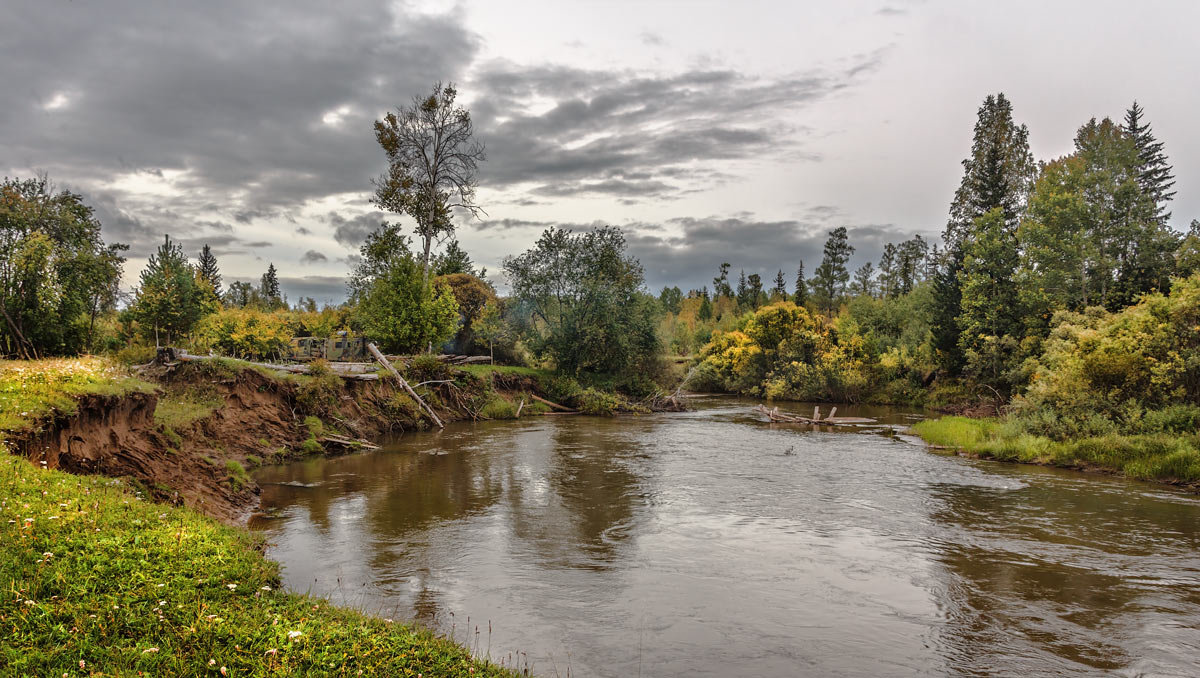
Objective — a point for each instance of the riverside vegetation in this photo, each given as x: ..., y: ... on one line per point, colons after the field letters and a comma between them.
x: 1060, y: 310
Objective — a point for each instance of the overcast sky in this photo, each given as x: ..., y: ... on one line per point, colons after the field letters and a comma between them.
x: 710, y: 131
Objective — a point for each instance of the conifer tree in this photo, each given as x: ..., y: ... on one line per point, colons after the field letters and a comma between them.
x: 831, y: 278
x: 269, y: 286
x: 990, y: 316
x: 168, y: 302
x: 721, y: 286
x: 742, y: 290
x: 1154, y: 173
x: 780, y: 289
x: 705, y: 312
x: 997, y: 175
x: 206, y: 268
x: 864, y: 283
x: 887, y: 272
x: 801, y: 295
x: 754, y: 287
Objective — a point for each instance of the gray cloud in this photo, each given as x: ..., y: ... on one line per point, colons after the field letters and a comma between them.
x: 353, y: 232
x: 233, y: 105
x: 633, y: 135
x: 312, y: 257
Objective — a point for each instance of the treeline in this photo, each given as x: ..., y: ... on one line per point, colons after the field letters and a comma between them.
x: 1029, y: 249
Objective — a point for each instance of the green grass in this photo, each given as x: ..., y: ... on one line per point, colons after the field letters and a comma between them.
x: 96, y: 580
x: 32, y: 392
x: 176, y: 410
x: 1153, y: 456
x: 484, y: 370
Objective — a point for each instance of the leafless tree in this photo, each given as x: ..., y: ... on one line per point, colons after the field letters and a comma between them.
x: 432, y: 159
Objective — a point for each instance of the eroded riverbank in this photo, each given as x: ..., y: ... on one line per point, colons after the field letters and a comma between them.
x: 707, y: 543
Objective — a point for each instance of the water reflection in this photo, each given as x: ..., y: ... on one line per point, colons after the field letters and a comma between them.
x: 707, y: 543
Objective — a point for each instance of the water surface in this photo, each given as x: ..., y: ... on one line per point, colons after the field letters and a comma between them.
x: 709, y: 544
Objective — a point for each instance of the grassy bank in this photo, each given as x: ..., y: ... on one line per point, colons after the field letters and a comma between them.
x: 1164, y: 457
x: 31, y: 392
x: 97, y: 580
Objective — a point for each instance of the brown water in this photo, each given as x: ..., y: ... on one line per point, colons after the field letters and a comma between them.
x: 708, y: 544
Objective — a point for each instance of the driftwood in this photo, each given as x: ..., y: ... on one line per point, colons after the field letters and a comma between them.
x: 356, y: 443
x: 554, y: 405
x: 383, y: 361
x: 776, y: 417
x: 520, y: 407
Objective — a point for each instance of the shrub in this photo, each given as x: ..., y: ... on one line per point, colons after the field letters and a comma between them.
x: 237, y: 474
x: 312, y: 446
x: 319, y: 391
x: 244, y: 333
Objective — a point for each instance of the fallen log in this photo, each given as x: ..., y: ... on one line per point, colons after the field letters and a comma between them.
x: 184, y: 356
x: 383, y: 361
x: 554, y: 405
x: 356, y: 443
x: 777, y: 417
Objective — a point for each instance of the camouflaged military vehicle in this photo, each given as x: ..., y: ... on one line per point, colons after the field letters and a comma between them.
x: 336, y: 349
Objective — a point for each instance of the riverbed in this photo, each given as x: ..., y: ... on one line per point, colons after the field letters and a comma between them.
x: 708, y: 543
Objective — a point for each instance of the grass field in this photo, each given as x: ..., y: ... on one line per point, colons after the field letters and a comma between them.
x: 33, y: 391
x: 98, y: 581
x: 1153, y: 456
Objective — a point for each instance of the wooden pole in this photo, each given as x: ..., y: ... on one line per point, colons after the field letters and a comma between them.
x: 831, y: 413
x: 383, y: 361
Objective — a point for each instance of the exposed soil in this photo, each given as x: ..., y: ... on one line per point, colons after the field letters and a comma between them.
x: 262, y: 420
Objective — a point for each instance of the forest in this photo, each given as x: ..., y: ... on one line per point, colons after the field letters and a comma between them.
x: 1058, y: 294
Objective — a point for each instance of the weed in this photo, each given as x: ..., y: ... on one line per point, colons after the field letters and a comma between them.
x: 237, y: 474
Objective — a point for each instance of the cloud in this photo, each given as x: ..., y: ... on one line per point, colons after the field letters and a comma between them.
x: 353, y: 232
x: 640, y: 135
x: 229, y: 107
x: 687, y: 251
x: 312, y: 257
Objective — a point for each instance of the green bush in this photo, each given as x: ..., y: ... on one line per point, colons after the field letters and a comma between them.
x: 237, y: 474
x: 312, y: 446
x: 319, y: 390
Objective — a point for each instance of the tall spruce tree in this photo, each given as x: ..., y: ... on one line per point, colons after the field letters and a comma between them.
x: 206, y: 268
x: 780, y: 289
x: 887, y: 271
x: 1154, y: 173
x: 990, y: 309
x: 742, y: 291
x: 997, y: 175
x: 831, y: 278
x: 269, y: 286
x: 801, y: 295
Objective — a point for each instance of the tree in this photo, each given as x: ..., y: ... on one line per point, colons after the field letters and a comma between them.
x: 754, y: 287
x: 432, y: 160
x: 455, y: 260
x: 801, y: 295
x: 1090, y: 236
x: 472, y: 295
x: 1153, y: 171
x: 396, y: 306
x: 910, y: 264
x: 491, y: 327
x: 1187, y: 259
x: 269, y: 287
x: 705, y: 312
x: 780, y: 289
x: 888, y: 276
x: 56, y: 273
x: 831, y: 277
x: 585, y: 296
x: 743, y: 292
x: 168, y: 301
x: 206, y: 266
x: 998, y: 174
x: 990, y: 314
x: 671, y: 299
x: 721, y: 286
x: 863, y: 285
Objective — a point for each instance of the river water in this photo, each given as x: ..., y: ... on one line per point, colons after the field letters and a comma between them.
x: 710, y: 544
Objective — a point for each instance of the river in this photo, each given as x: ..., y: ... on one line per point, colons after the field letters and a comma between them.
x: 709, y: 544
